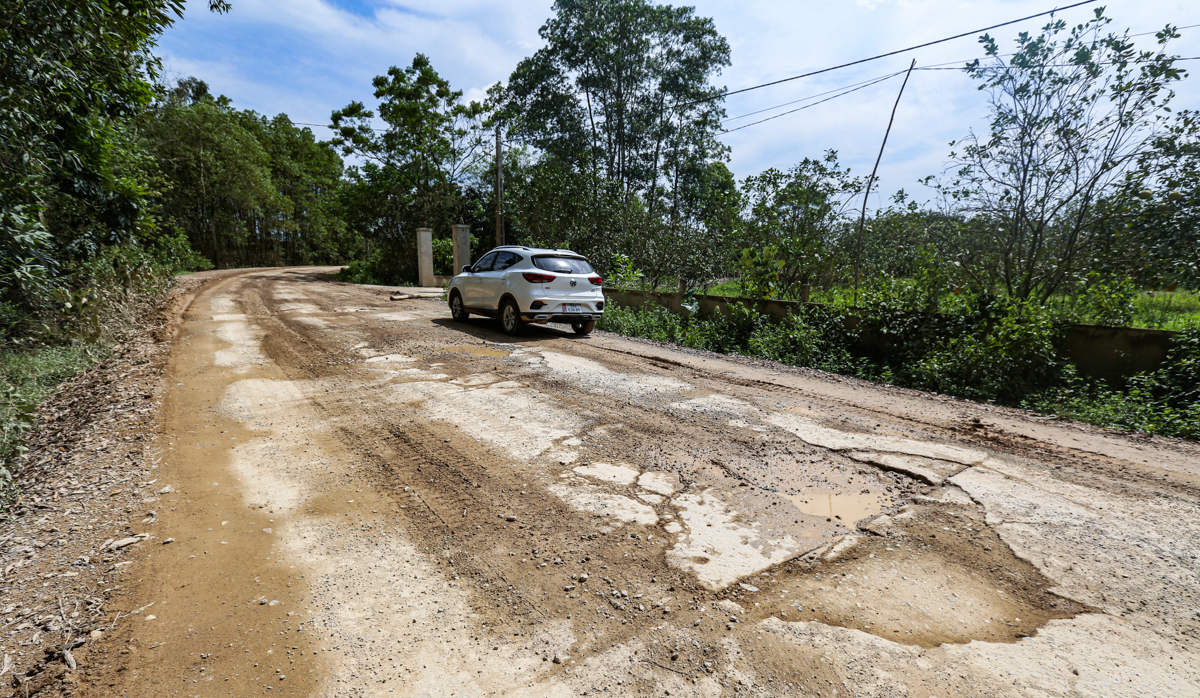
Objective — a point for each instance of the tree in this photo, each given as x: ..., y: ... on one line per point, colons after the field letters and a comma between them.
x: 800, y: 213
x: 1154, y: 237
x: 414, y: 167
x: 307, y: 173
x: 620, y: 101
x: 245, y: 189
x: 1072, y: 111
x: 73, y: 77
x: 217, y: 173
x: 621, y: 89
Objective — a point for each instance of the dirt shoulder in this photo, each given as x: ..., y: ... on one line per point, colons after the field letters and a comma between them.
x: 89, y: 507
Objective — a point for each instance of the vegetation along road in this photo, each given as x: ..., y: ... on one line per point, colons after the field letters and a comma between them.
x: 365, y: 498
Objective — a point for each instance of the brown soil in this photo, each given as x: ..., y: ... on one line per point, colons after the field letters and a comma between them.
x: 369, y: 499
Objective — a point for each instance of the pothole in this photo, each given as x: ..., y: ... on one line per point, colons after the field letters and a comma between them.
x: 476, y: 350
x: 933, y: 574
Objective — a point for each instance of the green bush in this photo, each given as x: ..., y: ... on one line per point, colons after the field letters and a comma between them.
x: 358, y: 272
x: 175, y: 253
x: 1003, y: 361
x: 1165, y: 401
x: 443, y: 257
x: 651, y: 322
x: 978, y: 348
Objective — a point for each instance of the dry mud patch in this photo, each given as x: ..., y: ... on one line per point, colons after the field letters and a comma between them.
x: 453, y: 509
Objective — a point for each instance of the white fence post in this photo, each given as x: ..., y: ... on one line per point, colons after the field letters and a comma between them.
x: 461, y: 237
x: 425, y: 257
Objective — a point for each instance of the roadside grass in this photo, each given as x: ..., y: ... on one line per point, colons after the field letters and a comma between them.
x: 731, y: 288
x: 27, y: 377
x: 37, y: 372
x: 61, y: 331
x: 1167, y: 310
x: 1008, y: 359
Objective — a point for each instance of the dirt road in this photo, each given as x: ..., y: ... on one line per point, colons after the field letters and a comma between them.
x: 368, y: 499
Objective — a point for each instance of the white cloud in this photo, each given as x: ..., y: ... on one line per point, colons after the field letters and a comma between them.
x: 308, y: 57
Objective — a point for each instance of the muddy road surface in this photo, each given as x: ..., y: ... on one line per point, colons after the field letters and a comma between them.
x: 367, y: 499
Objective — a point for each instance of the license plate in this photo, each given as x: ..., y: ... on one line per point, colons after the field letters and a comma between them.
x: 572, y: 308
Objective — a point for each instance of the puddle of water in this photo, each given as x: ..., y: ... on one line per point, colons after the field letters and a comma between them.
x: 847, y: 506
x: 471, y: 350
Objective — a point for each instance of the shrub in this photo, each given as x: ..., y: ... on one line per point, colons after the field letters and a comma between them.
x: 1002, y: 361
x: 982, y: 349
x: 358, y: 272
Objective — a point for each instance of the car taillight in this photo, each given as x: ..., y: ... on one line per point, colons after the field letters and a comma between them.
x: 535, y: 278
x: 596, y: 280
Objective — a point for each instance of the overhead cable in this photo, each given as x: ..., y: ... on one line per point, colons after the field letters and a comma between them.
x: 882, y: 55
x: 806, y: 106
x: 867, y: 83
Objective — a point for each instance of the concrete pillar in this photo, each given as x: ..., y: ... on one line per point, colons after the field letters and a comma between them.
x: 425, y: 257
x: 460, y: 236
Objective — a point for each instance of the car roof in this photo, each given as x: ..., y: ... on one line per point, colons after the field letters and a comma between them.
x: 539, y: 250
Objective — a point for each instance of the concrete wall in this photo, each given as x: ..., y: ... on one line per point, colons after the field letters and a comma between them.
x: 1115, y: 352
x: 710, y: 306
x: 1101, y: 352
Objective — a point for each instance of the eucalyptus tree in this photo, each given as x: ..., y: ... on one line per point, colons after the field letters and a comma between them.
x: 620, y: 95
x: 1072, y: 110
x: 217, y: 183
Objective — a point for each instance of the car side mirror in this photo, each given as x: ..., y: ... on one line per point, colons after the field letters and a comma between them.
x: 466, y: 268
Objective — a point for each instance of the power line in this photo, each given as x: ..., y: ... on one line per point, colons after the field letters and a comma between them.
x: 842, y: 91
x: 867, y: 83
x: 873, y: 81
x: 806, y: 106
x: 805, y: 99
x: 883, y: 55
x: 931, y: 66
x: 1190, y: 26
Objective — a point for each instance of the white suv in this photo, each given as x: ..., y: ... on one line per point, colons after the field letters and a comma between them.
x: 527, y: 284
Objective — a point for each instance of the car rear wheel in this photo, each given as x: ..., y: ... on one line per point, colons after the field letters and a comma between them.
x: 583, y: 328
x: 510, y: 317
x: 457, y: 311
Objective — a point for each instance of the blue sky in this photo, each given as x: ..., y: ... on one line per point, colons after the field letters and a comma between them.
x: 308, y: 57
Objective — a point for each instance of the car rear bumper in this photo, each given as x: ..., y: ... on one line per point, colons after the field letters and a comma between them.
x: 543, y: 318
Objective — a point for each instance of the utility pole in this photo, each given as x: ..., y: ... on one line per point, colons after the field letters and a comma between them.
x: 499, y: 188
x: 862, y: 219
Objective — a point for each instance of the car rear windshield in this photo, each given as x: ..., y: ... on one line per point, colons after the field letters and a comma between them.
x: 563, y: 265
